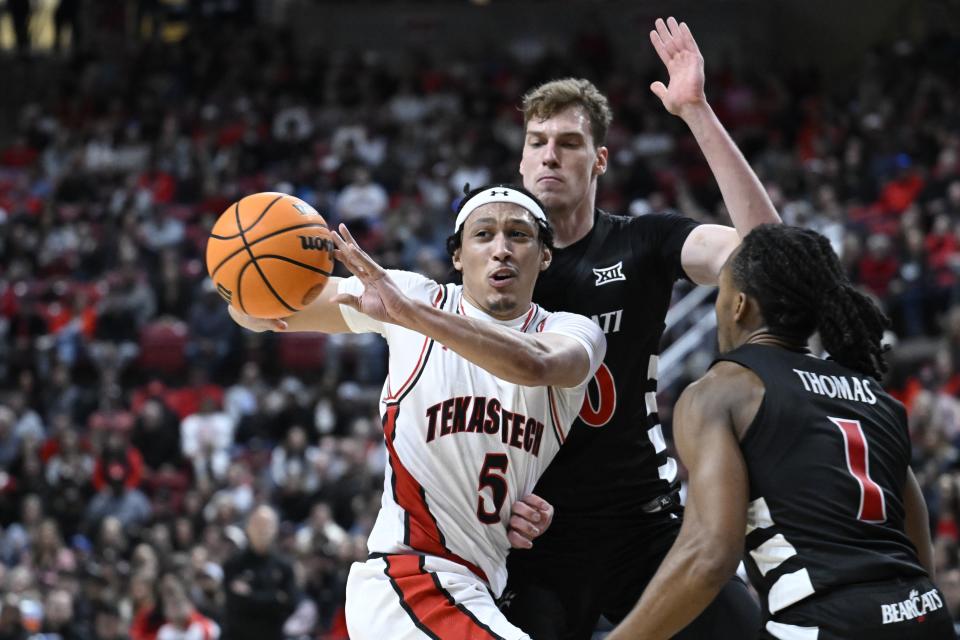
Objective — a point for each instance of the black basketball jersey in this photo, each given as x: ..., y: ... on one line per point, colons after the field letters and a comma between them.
x: 621, y: 274
x: 827, y: 456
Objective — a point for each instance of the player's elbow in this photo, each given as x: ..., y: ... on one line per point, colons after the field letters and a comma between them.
x: 715, y: 563
x: 533, y: 369
x: 555, y: 370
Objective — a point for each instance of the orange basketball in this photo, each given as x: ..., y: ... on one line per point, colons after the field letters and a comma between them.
x: 270, y: 255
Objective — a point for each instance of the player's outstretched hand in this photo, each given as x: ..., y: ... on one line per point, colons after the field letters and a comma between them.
x: 258, y: 325
x: 381, y: 299
x: 529, y: 517
x: 681, y: 56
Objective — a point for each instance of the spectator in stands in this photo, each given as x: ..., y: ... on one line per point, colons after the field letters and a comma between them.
x: 184, y: 622
x: 211, y: 330
x: 117, y: 500
x: 59, y: 619
x: 9, y: 440
x: 108, y: 623
x: 156, y: 434
x: 260, y: 586
x: 205, y: 438
x: 363, y: 202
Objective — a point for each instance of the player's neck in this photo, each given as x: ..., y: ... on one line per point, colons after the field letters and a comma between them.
x: 765, y: 337
x: 501, y: 315
x: 571, y: 225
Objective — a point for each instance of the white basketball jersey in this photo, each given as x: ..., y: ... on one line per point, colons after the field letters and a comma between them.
x: 463, y: 445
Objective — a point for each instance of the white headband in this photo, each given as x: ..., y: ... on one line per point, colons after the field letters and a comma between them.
x: 499, y: 194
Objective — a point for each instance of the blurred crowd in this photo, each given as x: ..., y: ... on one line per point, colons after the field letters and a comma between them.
x: 164, y: 474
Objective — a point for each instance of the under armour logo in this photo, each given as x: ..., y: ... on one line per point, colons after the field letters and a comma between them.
x: 504, y: 193
x: 606, y: 275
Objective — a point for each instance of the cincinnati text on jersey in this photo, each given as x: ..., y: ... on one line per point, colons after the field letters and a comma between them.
x: 609, y: 322
x: 469, y: 414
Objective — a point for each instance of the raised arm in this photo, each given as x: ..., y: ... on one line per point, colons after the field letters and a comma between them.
x: 709, y: 547
x: 708, y: 246
x: 542, y: 359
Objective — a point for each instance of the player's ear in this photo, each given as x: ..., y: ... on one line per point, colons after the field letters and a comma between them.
x: 455, y: 259
x: 600, y: 163
x: 740, y: 307
x: 546, y: 257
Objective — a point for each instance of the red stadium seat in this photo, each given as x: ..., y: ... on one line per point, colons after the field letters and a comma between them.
x: 302, y: 352
x: 163, y: 347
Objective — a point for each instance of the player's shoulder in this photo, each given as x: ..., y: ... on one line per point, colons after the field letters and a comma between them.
x: 418, y: 285
x: 410, y: 278
x: 662, y: 218
x: 650, y: 228
x: 725, y: 385
x: 552, y: 319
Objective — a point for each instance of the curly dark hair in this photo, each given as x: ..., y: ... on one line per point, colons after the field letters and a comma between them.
x: 798, y: 281
x: 545, y: 231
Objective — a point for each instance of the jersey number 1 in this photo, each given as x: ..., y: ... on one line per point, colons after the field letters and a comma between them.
x: 873, y: 506
x: 498, y: 486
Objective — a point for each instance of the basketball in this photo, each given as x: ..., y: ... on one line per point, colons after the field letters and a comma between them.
x: 270, y: 255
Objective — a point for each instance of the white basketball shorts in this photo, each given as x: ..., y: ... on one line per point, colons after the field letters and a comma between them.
x: 411, y: 597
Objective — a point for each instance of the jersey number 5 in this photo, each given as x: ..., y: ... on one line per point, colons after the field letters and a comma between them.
x: 498, y: 486
x: 873, y: 506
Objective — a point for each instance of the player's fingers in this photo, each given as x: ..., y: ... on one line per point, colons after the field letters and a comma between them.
x: 673, y: 27
x: 536, y: 502
x: 346, y: 234
x: 347, y: 259
x: 338, y: 241
x: 355, y: 249
x: 688, y: 38
x: 348, y: 300
x: 665, y: 36
x: 659, y: 47
x: 279, y: 325
x: 547, y: 519
x: 525, y: 528
x: 360, y: 255
x: 659, y: 89
x: 517, y: 541
x: 526, y: 511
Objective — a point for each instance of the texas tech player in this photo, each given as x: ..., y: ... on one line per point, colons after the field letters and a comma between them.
x: 481, y: 390
x: 810, y: 457
x: 615, y: 490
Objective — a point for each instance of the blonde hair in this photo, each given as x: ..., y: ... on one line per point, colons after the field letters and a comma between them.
x: 553, y: 97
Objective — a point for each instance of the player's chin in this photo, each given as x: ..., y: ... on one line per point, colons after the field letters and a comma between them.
x: 500, y: 301
x: 552, y: 198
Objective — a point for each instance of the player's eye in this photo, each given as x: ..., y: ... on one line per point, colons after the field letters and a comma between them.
x: 481, y: 234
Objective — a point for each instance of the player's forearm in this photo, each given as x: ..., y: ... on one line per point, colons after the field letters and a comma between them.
x: 323, y: 314
x: 506, y: 353
x: 917, y: 523
x: 745, y: 198
x: 688, y: 580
